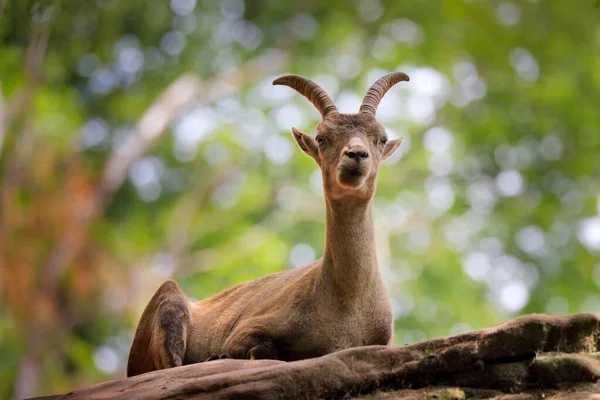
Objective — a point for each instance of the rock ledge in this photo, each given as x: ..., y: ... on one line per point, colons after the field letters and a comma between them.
x: 530, y: 357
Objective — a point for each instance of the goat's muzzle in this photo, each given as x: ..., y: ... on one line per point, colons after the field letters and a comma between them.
x: 354, y: 167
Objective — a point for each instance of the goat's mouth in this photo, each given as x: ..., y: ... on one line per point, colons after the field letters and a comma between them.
x: 352, y: 177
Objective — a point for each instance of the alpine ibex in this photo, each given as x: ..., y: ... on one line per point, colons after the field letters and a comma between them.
x: 334, y: 303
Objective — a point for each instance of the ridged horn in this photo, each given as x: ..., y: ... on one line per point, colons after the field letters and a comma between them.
x: 312, y: 91
x: 379, y: 89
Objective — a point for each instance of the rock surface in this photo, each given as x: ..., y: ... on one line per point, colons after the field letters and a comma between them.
x: 531, y: 357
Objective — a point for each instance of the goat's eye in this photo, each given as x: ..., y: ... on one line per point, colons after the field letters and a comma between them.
x: 319, y: 140
x: 382, y: 140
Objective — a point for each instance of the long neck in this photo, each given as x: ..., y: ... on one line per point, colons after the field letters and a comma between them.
x: 350, y: 259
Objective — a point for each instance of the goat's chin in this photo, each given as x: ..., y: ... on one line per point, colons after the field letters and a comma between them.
x: 350, y: 181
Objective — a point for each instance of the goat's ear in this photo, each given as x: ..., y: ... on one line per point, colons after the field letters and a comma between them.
x: 307, y: 143
x: 391, y: 146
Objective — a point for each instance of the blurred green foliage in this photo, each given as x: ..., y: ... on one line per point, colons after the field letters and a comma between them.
x: 491, y: 210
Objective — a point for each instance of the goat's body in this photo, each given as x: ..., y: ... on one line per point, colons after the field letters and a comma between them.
x: 277, y: 309
x: 273, y: 311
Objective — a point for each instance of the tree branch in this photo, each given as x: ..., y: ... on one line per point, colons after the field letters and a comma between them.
x: 184, y: 91
x: 29, y: 369
x: 16, y: 106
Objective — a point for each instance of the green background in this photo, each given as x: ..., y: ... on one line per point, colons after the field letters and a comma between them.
x: 110, y: 185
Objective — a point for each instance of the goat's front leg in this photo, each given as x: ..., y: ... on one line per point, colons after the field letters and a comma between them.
x: 161, y: 336
x: 252, y: 346
x: 263, y: 351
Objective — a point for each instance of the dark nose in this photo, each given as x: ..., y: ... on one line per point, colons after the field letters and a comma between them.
x: 357, y: 152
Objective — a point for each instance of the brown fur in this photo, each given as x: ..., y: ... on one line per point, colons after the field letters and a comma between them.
x: 337, y: 302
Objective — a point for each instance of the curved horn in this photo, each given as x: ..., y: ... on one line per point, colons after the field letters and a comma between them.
x: 378, y: 90
x: 311, y: 90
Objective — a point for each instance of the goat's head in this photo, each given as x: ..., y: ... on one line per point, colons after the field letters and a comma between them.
x: 347, y: 147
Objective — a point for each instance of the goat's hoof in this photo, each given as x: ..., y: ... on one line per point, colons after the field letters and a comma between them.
x: 221, y: 356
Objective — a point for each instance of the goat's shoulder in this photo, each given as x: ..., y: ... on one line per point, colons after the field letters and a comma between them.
x: 262, y: 287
